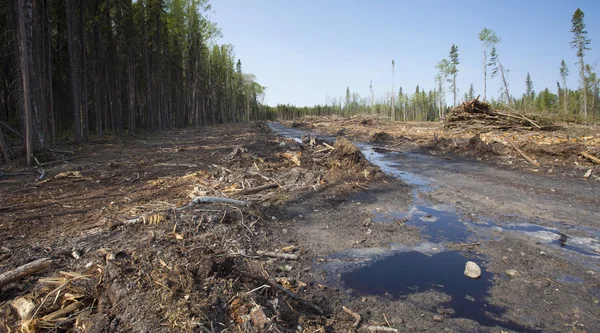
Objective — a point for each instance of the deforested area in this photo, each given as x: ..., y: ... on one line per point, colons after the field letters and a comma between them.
x: 293, y: 166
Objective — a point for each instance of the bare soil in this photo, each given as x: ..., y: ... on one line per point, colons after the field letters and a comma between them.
x: 126, y: 259
x: 558, y: 152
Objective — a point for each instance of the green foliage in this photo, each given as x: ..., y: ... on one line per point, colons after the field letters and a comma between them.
x: 580, y: 41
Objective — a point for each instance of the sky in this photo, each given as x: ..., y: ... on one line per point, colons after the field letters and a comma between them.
x: 305, y: 51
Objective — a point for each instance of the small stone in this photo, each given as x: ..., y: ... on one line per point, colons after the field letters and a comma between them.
x: 284, y: 231
x: 273, y: 218
x: 522, y: 254
x: 505, y: 258
x: 288, y: 267
x: 439, y: 318
x: 369, y: 232
x: 512, y: 272
x: 472, y: 270
x: 364, y: 299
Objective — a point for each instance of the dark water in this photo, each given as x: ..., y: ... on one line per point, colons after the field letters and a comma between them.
x: 413, y: 272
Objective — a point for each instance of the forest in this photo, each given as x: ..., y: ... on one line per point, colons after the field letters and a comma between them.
x: 79, y: 69
x: 76, y: 70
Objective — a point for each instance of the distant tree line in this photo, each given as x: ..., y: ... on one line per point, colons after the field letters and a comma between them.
x: 78, y: 69
x: 570, y: 104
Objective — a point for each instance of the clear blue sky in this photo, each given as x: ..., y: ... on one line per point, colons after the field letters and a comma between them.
x: 304, y: 50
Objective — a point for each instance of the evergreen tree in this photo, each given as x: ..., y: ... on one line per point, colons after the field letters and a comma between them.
x: 453, y: 70
x: 580, y: 43
x: 529, y: 93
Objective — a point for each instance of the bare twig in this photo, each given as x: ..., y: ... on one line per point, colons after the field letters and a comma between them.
x: 356, y: 316
x: 381, y: 329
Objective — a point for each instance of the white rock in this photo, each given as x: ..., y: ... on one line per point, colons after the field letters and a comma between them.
x: 472, y: 270
x: 512, y: 272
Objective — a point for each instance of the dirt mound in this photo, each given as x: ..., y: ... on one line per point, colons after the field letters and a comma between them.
x: 381, y: 137
x: 478, y: 116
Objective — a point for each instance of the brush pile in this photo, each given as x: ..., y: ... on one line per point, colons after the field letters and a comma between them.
x: 478, y: 116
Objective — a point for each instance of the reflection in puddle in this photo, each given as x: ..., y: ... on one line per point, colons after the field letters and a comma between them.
x: 414, y: 272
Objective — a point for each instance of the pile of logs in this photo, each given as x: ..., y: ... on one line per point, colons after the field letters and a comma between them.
x: 478, y: 115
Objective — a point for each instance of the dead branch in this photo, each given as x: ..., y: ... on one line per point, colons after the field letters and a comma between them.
x: 286, y: 256
x: 590, y: 157
x: 69, y: 152
x: 271, y: 282
x: 63, y: 160
x: 356, y: 316
x: 11, y: 129
x: 257, y: 189
x: 25, y: 270
x: 525, y: 156
x: 177, y: 165
x: 199, y: 200
x: 381, y: 329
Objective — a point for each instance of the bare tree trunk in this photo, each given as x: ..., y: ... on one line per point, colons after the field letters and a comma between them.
x: 74, y: 67
x: 50, y: 83
x: 4, y: 147
x: 484, y: 73
x: 25, y: 78
x: 86, y: 121
x: 504, y: 82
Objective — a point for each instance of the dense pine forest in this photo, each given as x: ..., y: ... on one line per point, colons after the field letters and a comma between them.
x: 83, y: 69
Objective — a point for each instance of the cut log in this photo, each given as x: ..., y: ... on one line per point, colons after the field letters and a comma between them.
x: 286, y: 256
x: 199, y: 200
x: 590, y: 157
x: 24, y: 271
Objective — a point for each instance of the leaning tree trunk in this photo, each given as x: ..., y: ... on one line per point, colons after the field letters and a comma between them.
x: 27, y: 103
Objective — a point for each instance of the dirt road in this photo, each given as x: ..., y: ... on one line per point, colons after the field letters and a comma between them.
x: 536, y: 237
x: 324, y: 230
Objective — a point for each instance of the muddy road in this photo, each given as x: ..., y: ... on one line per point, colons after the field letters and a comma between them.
x: 327, y: 230
x: 535, y: 237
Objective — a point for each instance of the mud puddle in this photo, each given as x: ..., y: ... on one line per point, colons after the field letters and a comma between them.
x: 399, y: 270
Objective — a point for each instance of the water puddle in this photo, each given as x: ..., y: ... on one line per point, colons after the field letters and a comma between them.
x: 400, y: 270
x: 413, y: 272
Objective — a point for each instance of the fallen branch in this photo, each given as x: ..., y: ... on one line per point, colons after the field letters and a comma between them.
x: 271, y: 282
x: 590, y: 157
x: 286, y: 256
x: 63, y: 160
x: 257, y: 189
x: 525, y: 156
x: 70, y: 152
x: 356, y: 316
x: 381, y: 329
x: 23, y: 271
x: 199, y: 200
x: 177, y: 165
x: 11, y: 129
